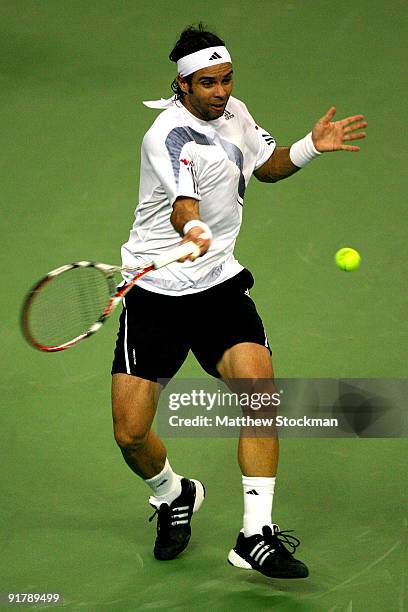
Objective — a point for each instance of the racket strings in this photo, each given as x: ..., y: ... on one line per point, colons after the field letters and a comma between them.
x: 68, y: 305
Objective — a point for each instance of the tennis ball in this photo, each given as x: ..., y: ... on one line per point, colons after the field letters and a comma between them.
x: 348, y: 259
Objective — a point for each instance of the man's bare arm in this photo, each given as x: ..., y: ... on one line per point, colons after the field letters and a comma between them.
x: 277, y: 167
x: 185, y: 210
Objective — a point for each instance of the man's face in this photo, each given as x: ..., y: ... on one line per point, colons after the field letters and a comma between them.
x: 209, y: 91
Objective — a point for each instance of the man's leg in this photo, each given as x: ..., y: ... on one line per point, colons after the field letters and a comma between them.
x: 256, y: 456
x: 259, y: 545
x: 134, y: 403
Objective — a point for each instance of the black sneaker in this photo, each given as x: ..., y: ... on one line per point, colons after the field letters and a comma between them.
x: 173, y: 521
x: 267, y: 554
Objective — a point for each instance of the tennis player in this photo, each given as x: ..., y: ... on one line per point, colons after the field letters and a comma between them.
x: 197, y: 160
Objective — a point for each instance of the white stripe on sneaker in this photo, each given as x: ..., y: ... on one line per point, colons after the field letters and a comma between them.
x: 265, y: 556
x: 256, y: 548
x: 263, y: 550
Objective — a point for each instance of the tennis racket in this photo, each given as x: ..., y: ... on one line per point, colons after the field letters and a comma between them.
x: 72, y: 302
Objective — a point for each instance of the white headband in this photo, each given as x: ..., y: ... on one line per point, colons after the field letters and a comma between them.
x: 202, y: 59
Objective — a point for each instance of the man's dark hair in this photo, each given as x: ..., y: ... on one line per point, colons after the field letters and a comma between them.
x: 192, y: 39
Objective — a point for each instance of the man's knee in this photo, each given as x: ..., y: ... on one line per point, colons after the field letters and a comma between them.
x: 134, y: 402
x: 130, y: 437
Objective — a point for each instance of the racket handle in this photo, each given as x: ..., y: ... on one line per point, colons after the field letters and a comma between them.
x: 188, y: 248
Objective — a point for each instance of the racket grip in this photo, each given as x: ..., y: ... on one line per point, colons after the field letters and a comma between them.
x: 188, y: 248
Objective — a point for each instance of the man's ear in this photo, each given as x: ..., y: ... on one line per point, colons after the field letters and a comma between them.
x: 182, y: 84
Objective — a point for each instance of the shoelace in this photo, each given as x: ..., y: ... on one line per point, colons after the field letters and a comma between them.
x: 173, y: 515
x: 271, y: 542
x: 283, y: 538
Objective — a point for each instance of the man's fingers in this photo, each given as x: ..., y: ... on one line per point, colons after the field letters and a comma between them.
x: 203, y: 240
x: 356, y: 126
x: 354, y: 136
x: 351, y: 148
x: 329, y: 115
x: 331, y: 135
x: 345, y: 122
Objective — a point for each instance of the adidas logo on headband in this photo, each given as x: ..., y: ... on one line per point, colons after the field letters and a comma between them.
x: 215, y: 56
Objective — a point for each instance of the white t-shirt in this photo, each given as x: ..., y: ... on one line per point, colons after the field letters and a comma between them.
x: 211, y: 161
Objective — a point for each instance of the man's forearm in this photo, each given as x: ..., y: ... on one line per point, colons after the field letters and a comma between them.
x: 278, y: 166
x: 184, y: 210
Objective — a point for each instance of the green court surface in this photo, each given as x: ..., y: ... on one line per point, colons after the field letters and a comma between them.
x: 75, y: 519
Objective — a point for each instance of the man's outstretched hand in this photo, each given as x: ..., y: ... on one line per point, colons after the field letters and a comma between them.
x: 331, y: 135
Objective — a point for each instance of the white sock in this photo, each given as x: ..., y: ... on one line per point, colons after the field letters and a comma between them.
x: 166, y: 486
x: 258, y: 498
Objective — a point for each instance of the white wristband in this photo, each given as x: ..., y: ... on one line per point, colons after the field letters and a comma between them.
x: 303, y: 151
x: 197, y: 223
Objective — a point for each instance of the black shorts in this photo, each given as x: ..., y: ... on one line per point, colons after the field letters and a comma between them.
x: 157, y: 331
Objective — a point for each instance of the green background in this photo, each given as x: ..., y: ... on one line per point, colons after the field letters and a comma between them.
x: 72, y: 77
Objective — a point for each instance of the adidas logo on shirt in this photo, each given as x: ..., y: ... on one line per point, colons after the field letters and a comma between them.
x: 228, y: 115
x: 268, y: 138
x: 215, y: 56
x: 252, y: 492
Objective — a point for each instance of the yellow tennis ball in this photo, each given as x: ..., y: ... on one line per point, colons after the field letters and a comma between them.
x: 348, y: 259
